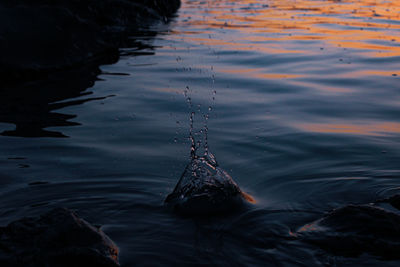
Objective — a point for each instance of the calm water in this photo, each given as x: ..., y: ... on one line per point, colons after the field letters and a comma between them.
x: 304, y: 105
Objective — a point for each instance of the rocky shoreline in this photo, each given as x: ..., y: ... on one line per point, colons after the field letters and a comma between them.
x: 41, y: 37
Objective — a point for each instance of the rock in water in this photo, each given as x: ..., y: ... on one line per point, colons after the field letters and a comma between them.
x: 58, y: 238
x: 204, y: 188
x: 393, y: 200
x: 356, y: 229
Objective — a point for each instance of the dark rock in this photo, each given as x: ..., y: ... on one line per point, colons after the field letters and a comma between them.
x: 38, y: 37
x: 393, y: 200
x: 204, y: 189
x: 58, y: 238
x: 356, y: 229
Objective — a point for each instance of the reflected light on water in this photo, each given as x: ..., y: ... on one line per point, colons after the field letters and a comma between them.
x: 328, y: 51
x: 369, y: 26
x: 370, y: 128
x: 315, y: 40
x: 258, y: 73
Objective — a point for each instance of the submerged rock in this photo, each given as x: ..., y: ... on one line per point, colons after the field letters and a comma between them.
x: 356, y: 229
x: 57, y: 238
x: 205, y: 188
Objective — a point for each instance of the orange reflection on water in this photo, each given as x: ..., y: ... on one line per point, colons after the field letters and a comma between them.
x: 310, y: 227
x: 323, y: 88
x: 369, y: 26
x: 371, y: 128
x: 259, y: 73
x: 363, y: 73
x: 249, y: 198
x: 240, y: 46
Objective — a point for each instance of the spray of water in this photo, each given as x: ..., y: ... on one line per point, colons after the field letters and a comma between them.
x: 196, y: 145
x: 204, y: 187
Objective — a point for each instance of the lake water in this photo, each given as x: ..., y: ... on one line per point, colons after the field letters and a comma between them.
x: 303, y: 99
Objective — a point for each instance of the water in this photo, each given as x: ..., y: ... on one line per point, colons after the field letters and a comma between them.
x: 305, y: 102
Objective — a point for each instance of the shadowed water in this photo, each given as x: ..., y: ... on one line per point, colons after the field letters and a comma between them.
x: 303, y: 103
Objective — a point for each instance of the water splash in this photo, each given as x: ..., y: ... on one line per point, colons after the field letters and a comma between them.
x: 203, y: 131
x: 204, y: 188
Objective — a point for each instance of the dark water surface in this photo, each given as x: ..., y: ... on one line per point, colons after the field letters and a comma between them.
x: 304, y: 105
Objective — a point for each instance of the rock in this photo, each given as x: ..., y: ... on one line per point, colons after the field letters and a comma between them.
x: 393, y: 200
x: 204, y: 189
x: 45, y: 36
x: 356, y: 229
x: 57, y: 238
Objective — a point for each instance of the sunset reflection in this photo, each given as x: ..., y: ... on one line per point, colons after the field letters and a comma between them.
x: 365, y: 25
x: 369, y: 128
x: 323, y: 45
x: 258, y: 73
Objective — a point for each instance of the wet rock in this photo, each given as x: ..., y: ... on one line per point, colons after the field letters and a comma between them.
x: 204, y: 188
x: 45, y: 36
x: 356, y: 229
x: 57, y: 238
x: 393, y: 200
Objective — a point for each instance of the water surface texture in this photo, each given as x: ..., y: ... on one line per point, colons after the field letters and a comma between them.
x: 303, y: 99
